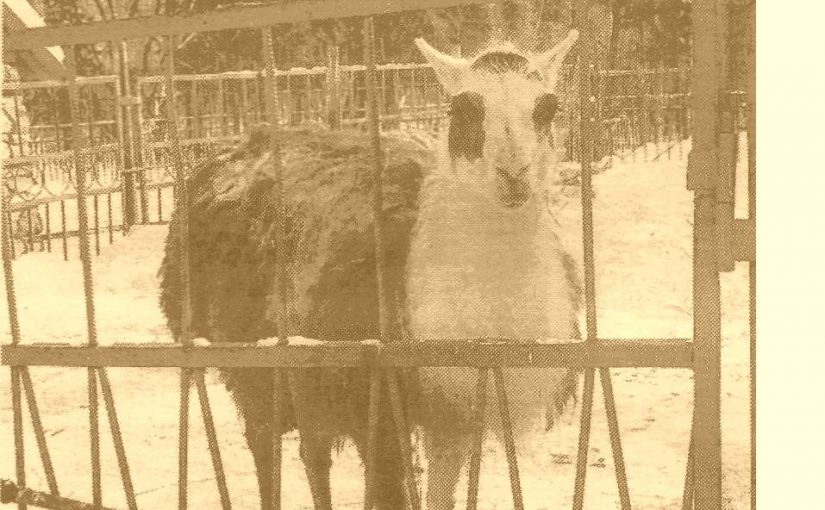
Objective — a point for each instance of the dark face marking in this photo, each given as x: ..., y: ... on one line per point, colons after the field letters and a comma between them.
x: 544, y: 111
x: 466, y: 136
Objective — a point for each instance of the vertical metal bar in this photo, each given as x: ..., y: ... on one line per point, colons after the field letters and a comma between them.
x: 14, y: 326
x: 48, y: 227
x: 56, y: 106
x: 89, y: 118
x: 385, y: 311
x: 96, y: 204
x: 212, y: 439
x: 94, y: 436
x: 109, y: 217
x: 509, y: 442
x: 160, y: 202
x: 751, y: 127
x: 63, y: 232
x: 193, y: 110
x: 372, y: 434
x: 589, y: 125
x: 586, y: 143
x: 333, y: 88
x: 183, y: 440
x: 121, y: 139
x: 221, y: 99
x: 271, y: 105
x: 19, y: 450
x: 82, y: 218
x: 85, y: 258
x: 706, y: 81
x: 289, y: 104
x: 615, y: 437
x: 39, y: 434
x: 478, y: 439
x: 584, y: 440
x: 403, y: 433
x: 117, y: 439
x: 273, y: 118
x: 182, y: 233
x: 134, y: 123
x: 687, y: 493
x: 181, y: 195
x: 29, y: 234
x: 245, y: 114
x: 9, y: 229
x: 19, y: 119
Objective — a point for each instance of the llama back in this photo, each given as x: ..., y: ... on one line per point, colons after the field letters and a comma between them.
x: 328, y: 250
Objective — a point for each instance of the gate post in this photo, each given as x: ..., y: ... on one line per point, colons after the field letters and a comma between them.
x: 703, y: 169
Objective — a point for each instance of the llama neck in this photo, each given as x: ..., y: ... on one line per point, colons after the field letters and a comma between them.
x: 477, y: 269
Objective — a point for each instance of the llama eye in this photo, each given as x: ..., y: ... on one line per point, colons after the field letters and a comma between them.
x: 466, y: 136
x: 544, y: 111
x: 467, y: 107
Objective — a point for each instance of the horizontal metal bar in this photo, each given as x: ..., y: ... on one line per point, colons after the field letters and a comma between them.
x: 44, y: 84
x: 636, y: 72
x: 293, y: 71
x: 52, y: 156
x: 28, y: 204
x: 665, y: 353
x: 215, y: 20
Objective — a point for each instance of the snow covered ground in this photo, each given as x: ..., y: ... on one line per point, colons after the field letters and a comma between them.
x: 643, y: 221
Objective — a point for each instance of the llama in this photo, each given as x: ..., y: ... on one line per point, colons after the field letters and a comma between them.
x: 470, y: 251
x: 485, y: 260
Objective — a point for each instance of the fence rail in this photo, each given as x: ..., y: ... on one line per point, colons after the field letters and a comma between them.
x: 663, y: 353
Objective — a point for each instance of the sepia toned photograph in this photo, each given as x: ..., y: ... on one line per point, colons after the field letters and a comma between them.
x: 378, y: 254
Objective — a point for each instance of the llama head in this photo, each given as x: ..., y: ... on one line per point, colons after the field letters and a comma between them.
x: 502, y: 108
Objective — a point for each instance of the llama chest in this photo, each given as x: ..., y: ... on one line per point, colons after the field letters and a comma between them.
x: 478, y: 270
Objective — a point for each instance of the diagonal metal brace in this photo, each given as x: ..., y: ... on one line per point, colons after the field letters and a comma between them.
x: 9, y: 493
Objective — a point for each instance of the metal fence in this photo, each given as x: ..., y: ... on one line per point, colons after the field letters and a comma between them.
x: 701, y: 354
x: 40, y: 174
x: 642, y: 115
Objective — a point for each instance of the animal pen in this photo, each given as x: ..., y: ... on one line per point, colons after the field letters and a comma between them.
x: 121, y: 150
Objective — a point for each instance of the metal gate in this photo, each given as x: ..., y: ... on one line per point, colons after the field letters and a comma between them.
x: 719, y: 240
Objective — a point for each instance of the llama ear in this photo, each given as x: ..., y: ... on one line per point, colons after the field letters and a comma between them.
x: 451, y: 71
x: 549, y: 62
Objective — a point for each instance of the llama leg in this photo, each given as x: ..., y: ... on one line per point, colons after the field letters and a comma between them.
x: 258, y: 439
x: 312, y: 414
x: 446, y: 452
x: 252, y: 391
x: 388, y: 484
